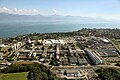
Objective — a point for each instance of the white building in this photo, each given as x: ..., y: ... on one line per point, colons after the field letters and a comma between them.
x: 94, y: 57
x: 53, y: 41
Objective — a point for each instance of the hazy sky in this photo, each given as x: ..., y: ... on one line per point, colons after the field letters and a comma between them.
x: 90, y: 8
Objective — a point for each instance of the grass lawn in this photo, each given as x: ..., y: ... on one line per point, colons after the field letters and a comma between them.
x: 14, y: 76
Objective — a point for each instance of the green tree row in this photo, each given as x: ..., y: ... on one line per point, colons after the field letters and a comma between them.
x: 109, y: 74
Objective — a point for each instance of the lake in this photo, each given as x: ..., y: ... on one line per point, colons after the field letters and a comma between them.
x: 14, y: 28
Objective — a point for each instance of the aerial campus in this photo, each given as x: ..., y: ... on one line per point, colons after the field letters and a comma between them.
x: 59, y: 39
x: 73, y: 55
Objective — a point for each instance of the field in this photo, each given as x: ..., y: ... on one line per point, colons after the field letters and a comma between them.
x: 14, y: 76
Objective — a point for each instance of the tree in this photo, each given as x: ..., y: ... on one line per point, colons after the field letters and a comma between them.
x: 65, y: 72
x: 109, y: 74
x: 40, y: 72
x: 52, y: 62
x: 30, y: 76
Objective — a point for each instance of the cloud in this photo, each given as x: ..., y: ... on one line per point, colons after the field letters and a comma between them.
x: 15, y: 10
x: 4, y: 8
x: 54, y: 10
x: 19, y: 11
x: 35, y: 10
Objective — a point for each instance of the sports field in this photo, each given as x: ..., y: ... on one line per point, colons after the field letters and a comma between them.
x: 14, y: 76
